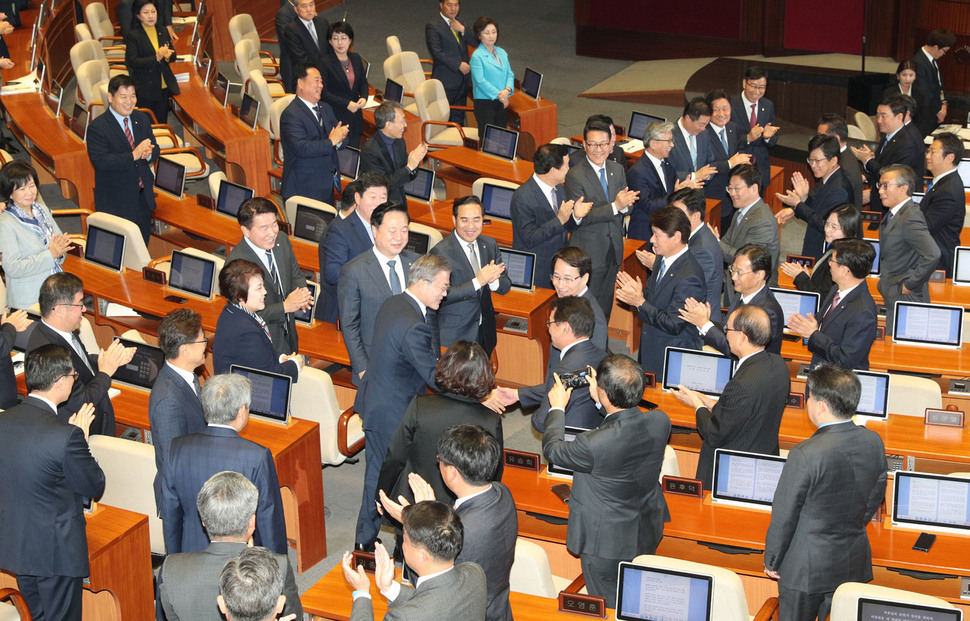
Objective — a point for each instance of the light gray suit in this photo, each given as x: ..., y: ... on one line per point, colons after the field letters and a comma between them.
x: 26, y: 261
x: 757, y: 227
x: 907, y: 256
x: 457, y: 594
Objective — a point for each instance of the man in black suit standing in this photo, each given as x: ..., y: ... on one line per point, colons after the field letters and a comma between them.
x: 617, y: 154
x: 284, y: 17
x: 477, y: 271
x: 448, y: 41
x: 386, y: 151
x: 122, y: 149
x: 845, y: 327
x: 571, y: 267
x: 61, y: 309
x: 929, y: 78
x: 691, y: 156
x: 541, y: 216
x: 703, y: 245
x: 944, y: 205
x: 602, y: 182
x: 748, y: 414
x: 47, y: 472
x: 750, y: 110
x: 402, y: 365
x: 306, y: 37
x: 286, y: 290
x: 625, y: 453
x: 829, y: 489
x: 10, y: 325
x: 653, y: 177
x: 727, y: 141
x: 834, y: 125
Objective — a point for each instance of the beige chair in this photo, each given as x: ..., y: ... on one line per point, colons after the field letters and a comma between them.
x: 313, y: 399
x: 91, y: 76
x: 16, y: 609
x: 845, y: 601
x: 242, y: 27
x: 910, y: 395
x: 481, y: 181
x: 531, y: 573
x: 728, y: 599
x: 247, y: 61
x: 258, y: 88
x: 393, y: 44
x: 670, y: 467
x: 129, y: 473
x: 565, y: 140
x: 215, y: 180
x: 275, y: 112
x: 136, y: 252
x: 85, y: 334
x: 433, y: 108
x: 864, y: 122
x: 164, y: 264
x: 100, y: 24
x: 83, y: 51
x: 405, y: 69
x: 434, y: 235
x: 856, y: 133
x: 293, y: 201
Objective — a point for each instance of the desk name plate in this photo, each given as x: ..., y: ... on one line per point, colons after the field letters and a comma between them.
x: 522, y: 459
x: 944, y: 418
x: 582, y: 604
x: 683, y: 486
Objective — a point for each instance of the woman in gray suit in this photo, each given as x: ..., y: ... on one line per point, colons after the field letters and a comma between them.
x: 33, y: 246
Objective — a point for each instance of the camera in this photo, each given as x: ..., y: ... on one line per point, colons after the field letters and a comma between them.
x: 576, y: 379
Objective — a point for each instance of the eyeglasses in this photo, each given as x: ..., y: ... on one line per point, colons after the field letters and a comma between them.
x: 885, y: 186
x: 205, y: 340
x: 755, y: 87
x: 81, y: 305
x: 832, y: 227
x: 550, y: 322
x: 566, y: 279
x: 666, y: 140
x: 731, y: 330
x: 733, y: 189
x: 598, y: 145
x: 443, y: 288
x: 73, y: 375
x: 814, y: 161
x: 738, y: 272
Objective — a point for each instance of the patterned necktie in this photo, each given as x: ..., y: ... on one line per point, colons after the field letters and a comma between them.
x: 693, y: 150
x: 473, y: 256
x: 724, y: 141
x: 273, y: 272
x: 606, y: 190
x: 754, y: 116
x: 196, y: 385
x: 835, y: 302
x: 394, y: 280
x: 131, y: 141
x: 555, y: 200
x: 663, y: 269
x: 313, y: 35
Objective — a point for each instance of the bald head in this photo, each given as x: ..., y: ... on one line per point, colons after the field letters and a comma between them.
x: 754, y: 324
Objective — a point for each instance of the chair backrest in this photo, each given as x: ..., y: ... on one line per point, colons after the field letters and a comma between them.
x: 215, y: 181
x: 566, y: 140
x: 83, y: 33
x: 166, y: 266
x: 242, y: 27
x: 275, y: 111
x: 845, y: 601
x: 85, y: 334
x: 90, y: 75
x: 83, y: 51
x: 481, y: 181
x: 98, y: 21
x: 531, y: 573
x: 129, y: 473
x: 405, y: 69
x: 434, y: 235
x: 293, y: 201
x: 393, y: 45
x: 432, y: 106
x: 729, y: 600
x: 670, y: 466
x: 259, y: 89
x: 856, y: 133
x: 245, y: 51
x: 16, y: 609
x: 314, y: 399
x: 910, y: 395
x: 864, y: 122
x: 136, y: 252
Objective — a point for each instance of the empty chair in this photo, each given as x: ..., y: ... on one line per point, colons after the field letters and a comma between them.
x: 136, y: 252
x: 864, y: 122
x: 393, y: 45
x: 16, y: 609
x: 100, y: 24
x: 83, y: 51
x: 405, y: 69
x: 215, y: 180
x: 275, y: 111
x: 257, y: 88
x: 565, y: 140
x: 531, y: 573
x: 293, y: 201
x: 91, y: 75
x: 313, y: 398
x: 242, y: 27
x: 845, y: 601
x: 856, y: 133
x: 910, y: 395
x: 247, y: 61
x: 434, y: 110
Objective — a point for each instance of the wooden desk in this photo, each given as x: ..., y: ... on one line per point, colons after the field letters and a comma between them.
x: 940, y: 292
x: 539, y: 117
x: 463, y: 166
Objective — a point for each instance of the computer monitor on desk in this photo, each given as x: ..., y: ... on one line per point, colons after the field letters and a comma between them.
x: 935, y: 502
x: 418, y: 242
x: 249, y: 111
x: 745, y: 479
x: 348, y: 162
x: 961, y: 265
x: 105, y: 248
x: 644, y: 592
x: 703, y: 371
x: 143, y: 368
x: 531, y: 82
x: 936, y: 325
x: 883, y: 610
x: 170, y: 177
x: 520, y: 267
x: 639, y: 122
x: 569, y: 435
x: 963, y: 169
x: 79, y: 122
x: 270, y: 394
x: 219, y: 86
x: 791, y: 302
x: 497, y: 201
x: 192, y: 275
x: 231, y: 196
x: 875, y: 262
x: 311, y: 222
x: 500, y: 142
x: 393, y: 91
x: 421, y: 187
x: 874, y: 400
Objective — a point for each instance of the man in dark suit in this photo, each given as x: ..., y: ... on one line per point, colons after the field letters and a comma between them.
x: 843, y: 330
x: 47, y: 472
x: 387, y: 153
x: 619, y: 460
x: 122, y: 149
x: 433, y: 537
x: 944, y: 205
x: 311, y: 136
x: 570, y: 325
x: 174, y: 408
x: 750, y: 110
x: 571, y: 267
x: 691, y: 156
x: 898, y: 146
x: 61, y: 309
x: 908, y: 254
x: 617, y: 154
x: 702, y: 244
x: 834, y: 125
x: 653, y: 176
x: 196, y: 457
x: 602, y: 182
x: 814, y: 205
x: 748, y: 414
x: 749, y: 273
x: 284, y: 17
x: 448, y: 40
x: 188, y: 582
x: 929, y: 78
x: 348, y: 237
x: 752, y: 222
x: 13, y: 323
x: 677, y: 277
x: 402, y: 365
x: 541, y: 216
x: 727, y: 142
x: 286, y: 290
x: 829, y: 489
x: 372, y: 277
x: 306, y: 37
x: 477, y: 271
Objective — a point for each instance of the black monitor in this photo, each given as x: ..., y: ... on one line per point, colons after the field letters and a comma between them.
x: 961, y: 265
x: 105, y: 248
x: 500, y: 142
x: 703, y: 371
x: 418, y: 242
x: 249, y: 111
x: 219, y: 86
x: 348, y: 161
x: 231, y: 196
x: 639, y: 122
x: 53, y: 97
x: 520, y: 267
x: 963, y: 169
x: 644, y: 592
x: 79, y: 122
x: 20, y: 344
x: 497, y: 201
x: 531, y: 83
x: 305, y: 316
x: 746, y: 479
x: 882, y: 610
x: 421, y: 186
x: 311, y: 222
x: 143, y: 368
x: 270, y: 399
x: 393, y: 91
x: 192, y: 274
x: 170, y: 177
x: 569, y: 435
x: 931, y: 502
x: 875, y: 262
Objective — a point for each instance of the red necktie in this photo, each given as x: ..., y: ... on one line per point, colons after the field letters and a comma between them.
x: 835, y: 302
x: 131, y: 141
x: 754, y: 116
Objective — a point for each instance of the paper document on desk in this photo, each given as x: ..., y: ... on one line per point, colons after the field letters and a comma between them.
x: 371, y: 103
x: 181, y: 77
x: 18, y: 89
x: 117, y: 310
x: 113, y: 392
x: 632, y: 145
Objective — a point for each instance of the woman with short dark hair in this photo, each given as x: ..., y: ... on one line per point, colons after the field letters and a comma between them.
x: 492, y: 77
x: 148, y: 54
x: 344, y: 80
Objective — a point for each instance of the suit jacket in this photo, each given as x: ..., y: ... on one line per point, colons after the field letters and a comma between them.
x: 536, y: 227
x: 47, y: 469
x: 414, y: 447
x: 943, y: 207
x: 491, y: 74
x: 717, y: 338
x: 928, y: 80
x: 821, y: 279
x: 852, y: 169
x: 600, y: 336
x: 26, y: 261
x: 300, y: 45
x: 741, y: 117
x: 457, y: 594
x: 463, y: 307
x: 196, y: 457
x: 282, y: 325
x: 284, y: 16
x: 600, y: 233
x: 491, y: 528
x: 8, y: 381
x: 642, y: 177
x: 448, y: 52
x: 241, y: 340
x: 125, y: 16
x: 618, y: 155
x: 829, y: 489
x: 88, y: 387
x: 405, y: 354
x: 707, y: 251
x: 116, y: 174
x: 906, y: 147
x: 362, y: 288
x: 748, y: 414
x: 921, y: 118
x: 757, y: 227
x: 662, y: 325
x: 188, y: 582
x: 311, y: 159
x: 343, y: 240
x: 822, y: 199
x: 581, y: 411
x: 680, y: 158
x: 174, y: 410
x: 339, y: 92
x: 617, y: 507
x: 907, y: 254
x: 375, y: 156
x: 716, y: 186
x: 846, y: 334
x: 147, y: 71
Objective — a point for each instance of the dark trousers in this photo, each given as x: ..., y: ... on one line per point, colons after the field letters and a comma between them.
x: 602, y: 282
x: 369, y: 520
x: 600, y: 575
x: 143, y: 215
x: 457, y: 96
x: 52, y: 598
x: 490, y: 112
x: 800, y: 606
x: 158, y: 104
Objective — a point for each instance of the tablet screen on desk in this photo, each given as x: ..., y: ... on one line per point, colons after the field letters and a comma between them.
x: 249, y: 110
x: 639, y: 122
x: 531, y: 83
x: 418, y: 242
x: 231, y: 196
x: 881, y: 610
x: 20, y: 344
x: 192, y: 275
x: 801, y: 302
x: 963, y: 169
x: 306, y: 316
x: 348, y: 160
x: 745, y: 478
x: 931, y: 502
x: 703, y: 371
x: 961, y: 265
x: 569, y: 436
x: 143, y: 368
x: 270, y: 400
x: 874, y: 401
x: 220, y: 89
x: 644, y: 592
x: 497, y: 201
x: 421, y: 185
x: 928, y: 324
x: 311, y: 222
x: 875, y: 262
x: 520, y: 267
x: 500, y: 142
x: 170, y: 177
x: 53, y: 98
x: 393, y: 91
x: 79, y: 122
x: 104, y: 247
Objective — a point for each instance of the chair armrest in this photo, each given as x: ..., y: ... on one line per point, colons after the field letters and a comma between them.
x: 277, y: 152
x: 277, y: 81
x: 576, y: 585
x: 151, y: 115
x: 103, y: 39
x: 91, y: 108
x: 154, y: 263
x: 769, y: 610
x: 261, y: 40
x: 342, y: 422
x: 424, y: 133
x: 162, y: 129
x: 18, y: 601
x: 193, y: 151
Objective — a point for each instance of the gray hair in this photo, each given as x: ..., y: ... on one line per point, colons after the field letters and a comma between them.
x: 251, y: 585
x: 223, y: 395
x: 226, y: 503
x: 654, y: 130
x: 427, y: 268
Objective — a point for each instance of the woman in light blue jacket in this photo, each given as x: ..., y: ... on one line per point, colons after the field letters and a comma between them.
x: 33, y: 246
x: 492, y: 76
